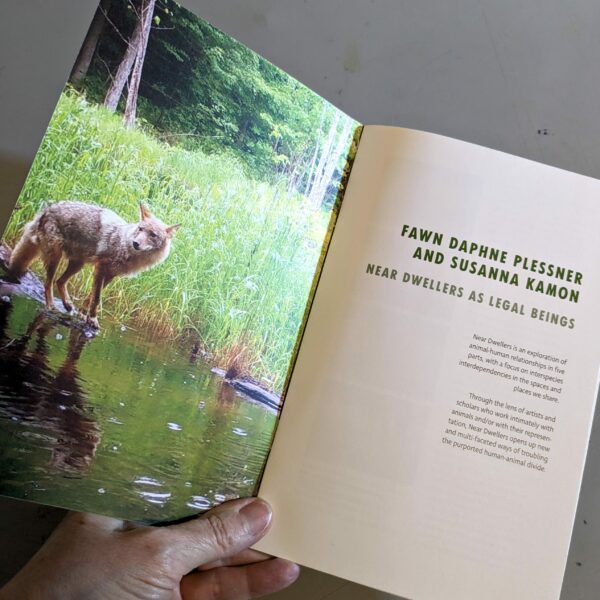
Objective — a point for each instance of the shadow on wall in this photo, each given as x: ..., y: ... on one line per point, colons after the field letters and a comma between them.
x: 13, y: 172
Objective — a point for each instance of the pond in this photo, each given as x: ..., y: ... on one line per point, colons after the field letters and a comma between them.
x: 119, y: 424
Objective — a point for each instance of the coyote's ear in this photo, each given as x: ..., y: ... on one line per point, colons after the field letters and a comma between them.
x: 172, y: 229
x: 144, y: 212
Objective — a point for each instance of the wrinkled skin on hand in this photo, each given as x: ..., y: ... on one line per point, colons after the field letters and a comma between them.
x: 90, y: 557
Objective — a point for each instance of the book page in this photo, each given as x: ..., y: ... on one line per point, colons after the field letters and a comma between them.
x: 156, y: 266
x: 436, y: 426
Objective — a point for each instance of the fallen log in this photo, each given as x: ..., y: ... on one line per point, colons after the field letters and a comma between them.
x: 252, y: 389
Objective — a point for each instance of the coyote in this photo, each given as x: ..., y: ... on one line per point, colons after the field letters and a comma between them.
x: 86, y: 233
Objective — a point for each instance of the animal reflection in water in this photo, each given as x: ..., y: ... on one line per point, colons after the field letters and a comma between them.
x: 50, y: 401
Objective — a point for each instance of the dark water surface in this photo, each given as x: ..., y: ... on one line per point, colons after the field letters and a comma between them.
x: 117, y: 424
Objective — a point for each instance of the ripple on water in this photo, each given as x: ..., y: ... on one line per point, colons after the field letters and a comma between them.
x: 199, y: 502
x: 159, y: 498
x: 143, y: 480
x: 212, y: 446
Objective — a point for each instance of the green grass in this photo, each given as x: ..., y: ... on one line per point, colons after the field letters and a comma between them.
x: 242, y: 263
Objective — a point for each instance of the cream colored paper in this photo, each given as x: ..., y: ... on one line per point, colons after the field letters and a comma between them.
x: 360, y: 481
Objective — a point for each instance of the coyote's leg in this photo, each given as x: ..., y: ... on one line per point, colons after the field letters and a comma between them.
x: 73, y: 267
x: 23, y: 254
x: 101, y: 279
x: 51, y: 258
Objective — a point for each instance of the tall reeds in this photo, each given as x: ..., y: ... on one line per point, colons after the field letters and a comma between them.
x: 242, y: 263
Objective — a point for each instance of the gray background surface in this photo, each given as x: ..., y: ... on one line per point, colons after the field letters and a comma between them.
x: 522, y: 77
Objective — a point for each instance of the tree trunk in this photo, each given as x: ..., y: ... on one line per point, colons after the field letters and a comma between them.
x: 313, y: 162
x: 329, y: 160
x: 111, y: 101
x: 318, y: 187
x: 88, y: 49
x: 294, y: 170
x: 242, y: 134
x: 333, y: 161
x: 136, y: 75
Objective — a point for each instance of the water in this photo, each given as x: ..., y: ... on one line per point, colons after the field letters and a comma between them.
x: 119, y: 424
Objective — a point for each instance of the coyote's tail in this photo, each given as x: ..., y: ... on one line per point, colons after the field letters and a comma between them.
x: 26, y: 250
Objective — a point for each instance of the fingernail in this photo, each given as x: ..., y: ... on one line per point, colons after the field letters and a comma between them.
x: 258, y: 516
x: 292, y: 572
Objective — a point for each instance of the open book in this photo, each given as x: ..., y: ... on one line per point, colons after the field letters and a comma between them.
x: 215, y: 284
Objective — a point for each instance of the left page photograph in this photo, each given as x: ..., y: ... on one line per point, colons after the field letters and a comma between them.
x: 157, y: 268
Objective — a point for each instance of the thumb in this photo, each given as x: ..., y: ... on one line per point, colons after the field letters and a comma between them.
x: 220, y: 533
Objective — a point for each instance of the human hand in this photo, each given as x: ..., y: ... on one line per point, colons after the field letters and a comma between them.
x: 90, y: 557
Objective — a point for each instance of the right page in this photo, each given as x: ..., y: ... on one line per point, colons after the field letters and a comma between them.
x: 436, y: 425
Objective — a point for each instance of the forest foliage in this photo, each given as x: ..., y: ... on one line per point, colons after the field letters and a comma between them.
x: 201, y: 89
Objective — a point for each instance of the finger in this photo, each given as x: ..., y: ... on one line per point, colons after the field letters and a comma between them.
x: 246, y: 557
x: 220, y: 533
x: 240, y: 583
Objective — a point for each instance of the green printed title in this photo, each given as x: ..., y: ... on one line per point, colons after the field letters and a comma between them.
x: 533, y: 274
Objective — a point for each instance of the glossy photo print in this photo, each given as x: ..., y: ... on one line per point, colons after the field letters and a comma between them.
x: 157, y: 266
